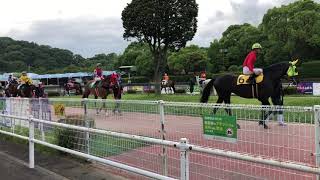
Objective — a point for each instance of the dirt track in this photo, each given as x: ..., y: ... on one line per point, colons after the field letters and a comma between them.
x: 294, y: 142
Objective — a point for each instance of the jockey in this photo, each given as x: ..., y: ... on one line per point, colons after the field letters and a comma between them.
x: 98, y: 73
x: 248, y: 64
x: 9, y: 80
x: 24, y: 79
x: 114, y: 78
x: 165, y: 78
x: 203, y: 77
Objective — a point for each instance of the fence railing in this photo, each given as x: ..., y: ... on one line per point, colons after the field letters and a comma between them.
x: 183, y: 146
x: 296, y: 143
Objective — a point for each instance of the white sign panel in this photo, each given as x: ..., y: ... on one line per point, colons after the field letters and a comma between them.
x: 316, y: 89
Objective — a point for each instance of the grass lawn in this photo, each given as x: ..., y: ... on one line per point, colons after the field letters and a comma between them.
x: 104, y: 146
x: 298, y: 100
x: 100, y: 145
x: 288, y: 100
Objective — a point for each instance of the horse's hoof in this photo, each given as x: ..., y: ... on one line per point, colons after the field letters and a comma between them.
x: 282, y: 124
x: 265, y: 126
x: 261, y: 123
x: 238, y: 126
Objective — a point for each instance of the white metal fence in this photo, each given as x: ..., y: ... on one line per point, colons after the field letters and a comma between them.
x: 295, y: 144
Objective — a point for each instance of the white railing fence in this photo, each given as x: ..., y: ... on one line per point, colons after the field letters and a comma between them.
x: 183, y: 146
x: 164, y: 139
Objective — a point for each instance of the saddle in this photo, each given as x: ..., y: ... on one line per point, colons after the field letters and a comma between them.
x: 164, y: 82
x: 245, y: 79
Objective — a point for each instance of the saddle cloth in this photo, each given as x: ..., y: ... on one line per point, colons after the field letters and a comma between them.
x: 95, y: 84
x: 243, y: 79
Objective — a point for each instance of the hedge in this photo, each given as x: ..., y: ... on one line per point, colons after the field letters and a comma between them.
x: 309, y: 69
x: 138, y: 79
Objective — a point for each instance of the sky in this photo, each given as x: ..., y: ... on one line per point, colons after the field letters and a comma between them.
x: 89, y: 27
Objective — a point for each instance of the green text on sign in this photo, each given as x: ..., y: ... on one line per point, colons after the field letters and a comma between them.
x: 220, y: 127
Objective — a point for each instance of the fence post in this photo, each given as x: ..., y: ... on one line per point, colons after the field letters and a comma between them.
x: 316, y: 110
x: 85, y: 108
x: 163, y: 137
x: 184, y: 159
x: 13, y: 120
x: 31, y: 143
x: 41, y: 117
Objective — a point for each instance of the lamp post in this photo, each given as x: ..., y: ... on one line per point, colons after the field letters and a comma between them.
x: 223, y: 51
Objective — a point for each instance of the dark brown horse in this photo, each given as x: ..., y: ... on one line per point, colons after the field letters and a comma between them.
x: 117, y: 90
x: 98, y: 89
x: 26, y: 91
x: 102, y: 89
x: 12, y: 89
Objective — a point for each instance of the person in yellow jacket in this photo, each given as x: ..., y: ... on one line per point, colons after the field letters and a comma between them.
x: 24, y: 79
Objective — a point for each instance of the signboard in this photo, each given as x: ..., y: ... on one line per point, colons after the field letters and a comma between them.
x: 305, y: 88
x: 316, y: 89
x: 220, y: 127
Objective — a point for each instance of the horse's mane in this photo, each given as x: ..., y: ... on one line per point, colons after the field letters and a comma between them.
x: 275, y: 67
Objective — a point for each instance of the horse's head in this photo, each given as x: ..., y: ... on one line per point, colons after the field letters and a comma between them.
x: 105, y: 81
x: 280, y: 70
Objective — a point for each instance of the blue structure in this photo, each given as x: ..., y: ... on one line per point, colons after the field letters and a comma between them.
x: 4, y: 77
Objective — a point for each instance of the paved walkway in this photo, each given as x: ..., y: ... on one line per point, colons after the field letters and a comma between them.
x: 14, y: 158
x: 13, y: 169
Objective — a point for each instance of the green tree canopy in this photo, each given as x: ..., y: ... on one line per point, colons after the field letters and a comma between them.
x: 188, y: 59
x: 139, y: 55
x: 163, y: 25
x: 294, y: 29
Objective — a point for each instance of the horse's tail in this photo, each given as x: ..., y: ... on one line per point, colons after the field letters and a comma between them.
x: 207, y: 91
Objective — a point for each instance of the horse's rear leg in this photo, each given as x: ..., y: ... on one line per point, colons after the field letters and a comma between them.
x: 228, y: 101
x: 228, y: 110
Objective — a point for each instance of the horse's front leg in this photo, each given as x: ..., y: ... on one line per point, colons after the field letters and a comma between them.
x: 278, y: 101
x: 95, y: 104
x: 104, y: 106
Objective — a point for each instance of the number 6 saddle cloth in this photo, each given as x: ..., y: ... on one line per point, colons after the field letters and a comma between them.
x: 244, y: 79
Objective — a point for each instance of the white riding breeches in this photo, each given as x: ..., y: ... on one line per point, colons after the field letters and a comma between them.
x: 97, y: 78
x: 256, y: 71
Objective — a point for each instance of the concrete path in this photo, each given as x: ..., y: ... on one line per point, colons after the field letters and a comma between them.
x: 14, y: 166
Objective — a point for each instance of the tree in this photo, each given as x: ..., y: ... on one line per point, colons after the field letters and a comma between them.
x: 296, y: 28
x: 139, y: 55
x: 215, y: 56
x: 188, y: 59
x: 163, y: 25
x: 238, y: 39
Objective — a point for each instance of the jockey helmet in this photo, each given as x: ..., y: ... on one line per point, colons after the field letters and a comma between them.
x: 24, y: 72
x: 98, y: 64
x: 256, y: 46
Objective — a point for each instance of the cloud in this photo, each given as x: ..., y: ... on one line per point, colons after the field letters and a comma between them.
x: 242, y: 11
x: 91, y: 34
x: 83, y: 35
